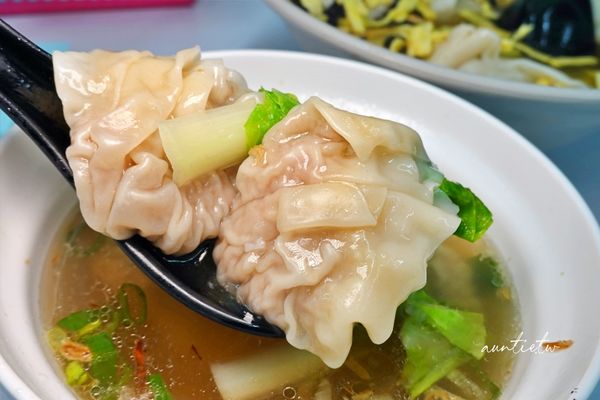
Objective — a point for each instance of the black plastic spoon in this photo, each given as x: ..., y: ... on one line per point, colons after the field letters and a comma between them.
x: 28, y: 96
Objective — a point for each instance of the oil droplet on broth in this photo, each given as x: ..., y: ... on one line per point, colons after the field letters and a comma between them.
x: 289, y: 392
x: 171, y: 330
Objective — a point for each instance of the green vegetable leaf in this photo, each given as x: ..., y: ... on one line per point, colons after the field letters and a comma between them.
x: 414, y: 301
x: 437, y: 339
x: 76, y: 374
x: 89, y: 328
x: 464, y: 329
x: 273, y: 109
x: 473, y: 383
x: 104, y: 358
x: 159, y: 388
x: 487, y: 273
x: 133, y: 304
x: 429, y: 356
x: 78, y: 320
x: 475, y: 217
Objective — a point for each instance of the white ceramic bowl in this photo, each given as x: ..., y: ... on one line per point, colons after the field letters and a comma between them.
x: 549, y: 117
x: 544, y: 230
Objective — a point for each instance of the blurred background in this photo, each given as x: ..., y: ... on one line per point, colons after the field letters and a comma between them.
x: 164, y: 26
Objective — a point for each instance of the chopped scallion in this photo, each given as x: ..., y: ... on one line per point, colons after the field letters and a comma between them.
x: 133, y: 303
x: 90, y: 327
x: 104, y: 358
x: 78, y: 320
x: 159, y: 388
x: 76, y: 374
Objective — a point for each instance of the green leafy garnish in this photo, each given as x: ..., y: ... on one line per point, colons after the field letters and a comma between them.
x: 475, y: 217
x: 159, y: 388
x: 429, y: 356
x: 76, y: 374
x: 273, y: 109
x: 133, y: 304
x: 487, y: 273
x: 464, y: 329
x: 475, y: 384
x: 78, y: 320
x: 113, y: 323
x: 104, y: 358
x: 89, y: 328
x: 106, y: 372
x: 438, y: 339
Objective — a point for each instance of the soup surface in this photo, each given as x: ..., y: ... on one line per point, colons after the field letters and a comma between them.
x: 171, y: 352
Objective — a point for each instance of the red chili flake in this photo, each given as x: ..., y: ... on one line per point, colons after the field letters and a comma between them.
x: 558, y: 345
x: 140, y: 367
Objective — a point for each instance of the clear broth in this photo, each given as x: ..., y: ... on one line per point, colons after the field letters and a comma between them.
x: 181, y: 345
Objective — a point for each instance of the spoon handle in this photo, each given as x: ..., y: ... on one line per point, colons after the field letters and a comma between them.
x: 28, y: 97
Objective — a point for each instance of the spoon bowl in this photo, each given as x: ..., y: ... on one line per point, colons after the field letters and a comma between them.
x: 28, y: 97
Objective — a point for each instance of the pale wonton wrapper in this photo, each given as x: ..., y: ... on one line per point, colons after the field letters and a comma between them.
x: 113, y: 103
x: 332, y: 226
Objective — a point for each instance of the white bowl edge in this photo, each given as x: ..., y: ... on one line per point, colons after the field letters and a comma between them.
x: 19, y: 388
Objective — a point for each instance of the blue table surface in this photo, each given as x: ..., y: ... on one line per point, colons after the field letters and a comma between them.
x: 235, y: 24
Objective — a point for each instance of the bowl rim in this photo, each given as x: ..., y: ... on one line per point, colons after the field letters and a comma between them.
x: 13, y: 384
x: 421, y: 69
x: 20, y: 390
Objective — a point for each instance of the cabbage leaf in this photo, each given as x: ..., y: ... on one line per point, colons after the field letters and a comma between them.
x: 464, y: 329
x: 429, y: 356
x: 273, y: 109
x: 475, y: 217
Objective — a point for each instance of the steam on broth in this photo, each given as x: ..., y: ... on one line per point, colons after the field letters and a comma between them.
x: 85, y: 272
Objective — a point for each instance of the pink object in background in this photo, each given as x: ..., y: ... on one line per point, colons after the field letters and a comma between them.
x: 30, y: 6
